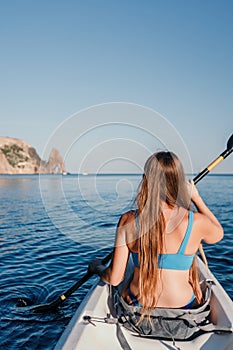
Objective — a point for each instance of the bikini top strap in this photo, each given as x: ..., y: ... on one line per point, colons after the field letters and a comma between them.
x: 187, y: 234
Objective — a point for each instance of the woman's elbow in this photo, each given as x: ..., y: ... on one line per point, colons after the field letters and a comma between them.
x: 216, y: 236
x: 115, y: 281
x: 112, y: 278
x: 221, y: 233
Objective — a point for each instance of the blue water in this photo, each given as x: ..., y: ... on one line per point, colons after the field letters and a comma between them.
x: 51, y: 226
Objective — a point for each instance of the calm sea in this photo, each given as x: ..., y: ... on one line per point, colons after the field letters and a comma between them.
x: 52, y: 226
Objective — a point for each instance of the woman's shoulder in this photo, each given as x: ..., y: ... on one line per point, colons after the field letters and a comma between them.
x: 126, y: 228
x: 127, y: 217
x: 207, y: 230
x: 200, y: 219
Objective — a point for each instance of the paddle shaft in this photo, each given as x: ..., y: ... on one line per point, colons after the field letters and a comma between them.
x: 215, y: 162
x: 83, y: 279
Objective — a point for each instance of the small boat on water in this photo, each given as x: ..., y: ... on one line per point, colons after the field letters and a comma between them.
x: 94, y: 324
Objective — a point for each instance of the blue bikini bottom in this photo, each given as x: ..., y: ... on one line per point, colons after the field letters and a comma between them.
x: 136, y: 303
x: 132, y: 297
x: 190, y: 303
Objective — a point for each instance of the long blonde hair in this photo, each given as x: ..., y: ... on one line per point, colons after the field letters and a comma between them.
x: 163, y: 181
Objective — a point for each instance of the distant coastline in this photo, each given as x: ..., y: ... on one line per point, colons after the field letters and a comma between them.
x: 103, y: 174
x: 18, y: 157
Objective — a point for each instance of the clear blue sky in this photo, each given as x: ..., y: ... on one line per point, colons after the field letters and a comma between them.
x: 173, y: 56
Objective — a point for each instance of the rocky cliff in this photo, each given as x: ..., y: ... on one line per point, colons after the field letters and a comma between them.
x: 18, y: 157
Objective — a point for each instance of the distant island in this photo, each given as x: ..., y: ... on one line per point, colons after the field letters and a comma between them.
x: 18, y: 157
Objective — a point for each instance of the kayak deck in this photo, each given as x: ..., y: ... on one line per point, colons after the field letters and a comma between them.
x: 97, y: 334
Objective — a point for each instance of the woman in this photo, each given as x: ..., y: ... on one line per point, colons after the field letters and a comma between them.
x: 163, y: 236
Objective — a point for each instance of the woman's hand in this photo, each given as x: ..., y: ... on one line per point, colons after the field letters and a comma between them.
x: 194, y: 194
x: 96, y: 267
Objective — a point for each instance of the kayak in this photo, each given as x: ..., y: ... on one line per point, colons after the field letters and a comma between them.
x: 94, y: 324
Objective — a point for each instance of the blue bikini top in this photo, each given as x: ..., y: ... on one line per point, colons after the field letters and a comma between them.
x: 178, y: 261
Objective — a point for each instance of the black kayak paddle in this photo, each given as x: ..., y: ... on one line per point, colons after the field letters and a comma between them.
x: 215, y: 162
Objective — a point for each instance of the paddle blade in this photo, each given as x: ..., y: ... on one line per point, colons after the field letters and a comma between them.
x: 230, y: 143
x: 46, y: 307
